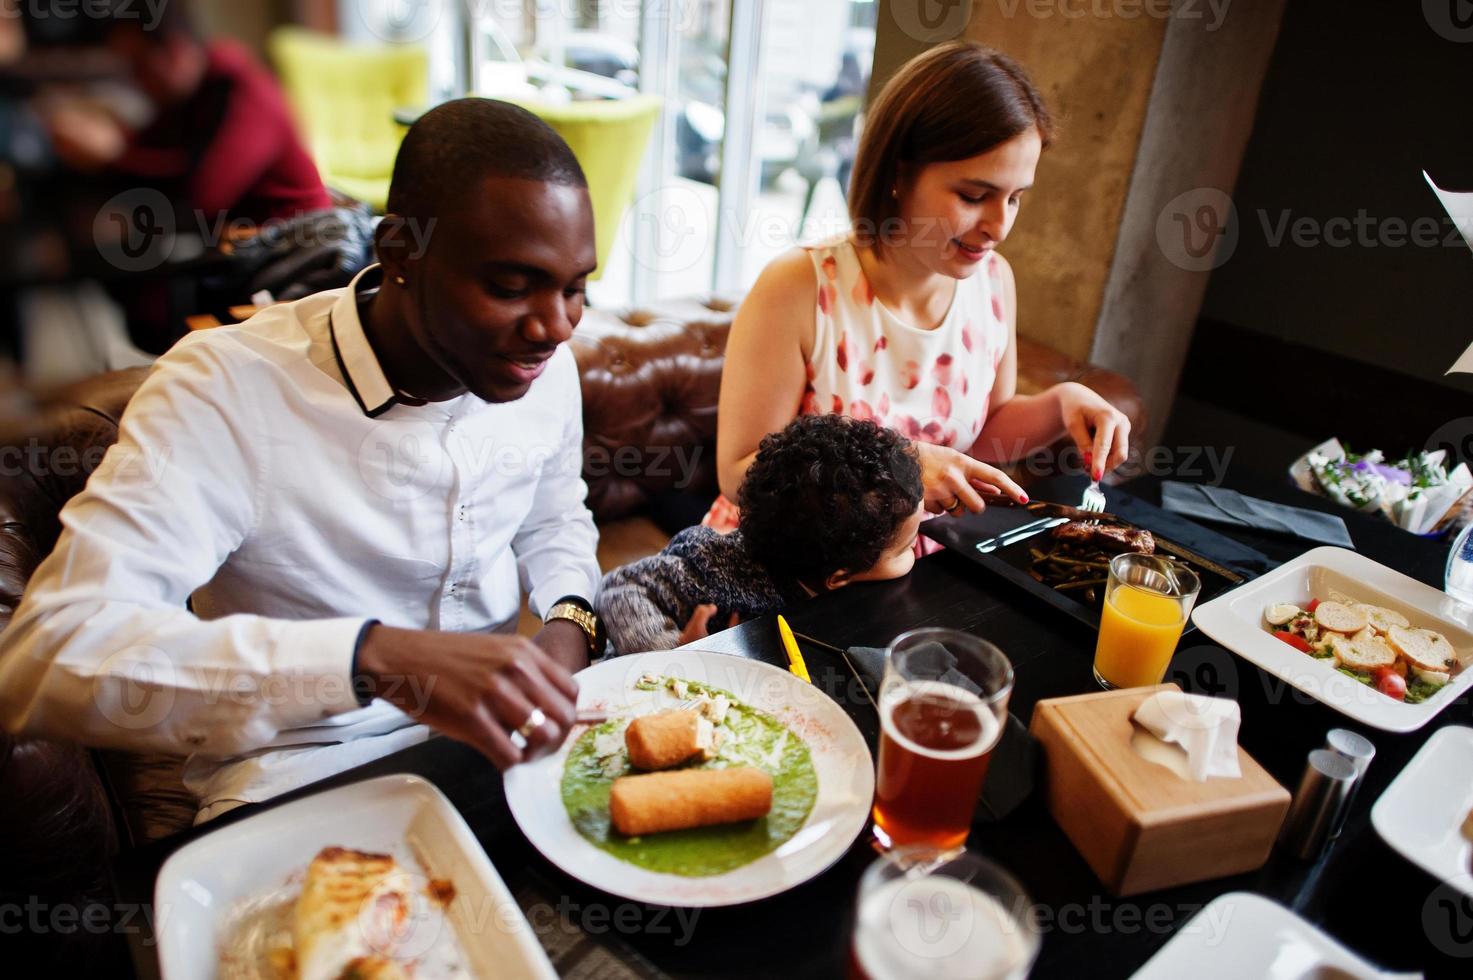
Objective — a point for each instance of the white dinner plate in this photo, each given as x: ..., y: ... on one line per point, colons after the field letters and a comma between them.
x: 841, y: 759
x: 1236, y: 621
x: 1421, y: 813
x: 1240, y: 935
x: 212, y: 894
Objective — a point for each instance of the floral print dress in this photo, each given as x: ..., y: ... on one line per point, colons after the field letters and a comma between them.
x: 929, y: 385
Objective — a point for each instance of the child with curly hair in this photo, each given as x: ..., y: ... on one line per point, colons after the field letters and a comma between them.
x: 828, y: 501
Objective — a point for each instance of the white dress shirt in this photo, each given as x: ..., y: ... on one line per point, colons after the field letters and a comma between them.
x: 268, y: 474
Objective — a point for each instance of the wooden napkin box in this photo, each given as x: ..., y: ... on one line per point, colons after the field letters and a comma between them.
x: 1139, y: 824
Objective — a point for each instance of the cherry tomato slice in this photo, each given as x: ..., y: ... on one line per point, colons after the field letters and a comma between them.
x: 1294, y: 640
x: 1391, y: 684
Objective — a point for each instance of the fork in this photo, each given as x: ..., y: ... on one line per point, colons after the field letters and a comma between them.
x: 598, y: 717
x: 1093, y: 499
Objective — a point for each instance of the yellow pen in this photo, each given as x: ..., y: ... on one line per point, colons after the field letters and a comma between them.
x: 795, y: 656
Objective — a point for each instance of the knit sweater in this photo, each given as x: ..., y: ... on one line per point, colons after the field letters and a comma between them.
x: 644, y: 605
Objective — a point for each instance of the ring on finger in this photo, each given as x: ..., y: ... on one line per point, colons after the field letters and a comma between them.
x: 534, y: 721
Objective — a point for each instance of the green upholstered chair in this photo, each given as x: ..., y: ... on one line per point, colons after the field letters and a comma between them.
x: 344, y: 96
x: 609, y: 137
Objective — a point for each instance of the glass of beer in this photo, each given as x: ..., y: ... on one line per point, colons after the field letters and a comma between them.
x: 943, y: 705
x: 926, y: 912
x: 1147, y: 601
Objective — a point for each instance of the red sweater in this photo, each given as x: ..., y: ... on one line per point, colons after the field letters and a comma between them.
x: 232, y: 147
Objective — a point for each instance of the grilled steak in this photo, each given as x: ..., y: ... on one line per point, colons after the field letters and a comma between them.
x: 1106, y: 537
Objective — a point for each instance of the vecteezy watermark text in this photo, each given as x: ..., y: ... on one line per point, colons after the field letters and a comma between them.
x: 149, y: 12
x: 1199, y: 230
x: 1211, y: 12
x: 139, y: 230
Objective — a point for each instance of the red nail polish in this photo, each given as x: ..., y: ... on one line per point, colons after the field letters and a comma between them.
x: 1025, y: 498
x: 1088, y: 457
x: 1098, y: 474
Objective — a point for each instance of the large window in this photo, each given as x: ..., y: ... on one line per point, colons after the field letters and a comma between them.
x: 762, y: 102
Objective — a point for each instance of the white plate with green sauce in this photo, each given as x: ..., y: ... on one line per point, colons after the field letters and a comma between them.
x: 822, y: 771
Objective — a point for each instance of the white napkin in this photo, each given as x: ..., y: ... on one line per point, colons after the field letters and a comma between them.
x: 1459, y: 206
x: 1205, y: 728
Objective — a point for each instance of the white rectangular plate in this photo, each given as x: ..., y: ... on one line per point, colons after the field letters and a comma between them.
x: 204, y: 885
x: 1240, y: 935
x: 1421, y: 813
x: 1236, y: 621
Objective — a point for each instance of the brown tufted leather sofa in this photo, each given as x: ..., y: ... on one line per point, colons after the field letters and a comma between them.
x: 651, y: 379
x: 650, y: 385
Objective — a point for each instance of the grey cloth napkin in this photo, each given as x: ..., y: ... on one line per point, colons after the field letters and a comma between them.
x: 1013, y: 770
x: 1226, y: 506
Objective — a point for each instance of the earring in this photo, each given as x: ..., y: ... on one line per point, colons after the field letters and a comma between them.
x: 895, y: 193
x: 399, y: 280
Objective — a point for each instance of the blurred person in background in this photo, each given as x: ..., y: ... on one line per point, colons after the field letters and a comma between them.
x: 203, y: 123
x: 219, y: 139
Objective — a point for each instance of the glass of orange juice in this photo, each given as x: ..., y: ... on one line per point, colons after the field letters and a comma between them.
x: 1147, y: 601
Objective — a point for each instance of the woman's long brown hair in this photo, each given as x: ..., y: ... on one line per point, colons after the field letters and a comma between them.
x: 955, y: 101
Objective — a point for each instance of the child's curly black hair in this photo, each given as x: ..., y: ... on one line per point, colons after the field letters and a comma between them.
x: 827, y: 493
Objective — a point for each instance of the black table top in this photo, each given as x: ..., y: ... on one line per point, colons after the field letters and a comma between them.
x: 1362, y: 893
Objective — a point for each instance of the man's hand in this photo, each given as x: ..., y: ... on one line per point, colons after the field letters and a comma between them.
x: 476, y: 688
x: 84, y: 137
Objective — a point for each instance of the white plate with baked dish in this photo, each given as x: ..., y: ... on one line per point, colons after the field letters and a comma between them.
x: 1236, y: 620
x: 1426, y: 814
x: 225, y: 902
x: 1241, y: 935
x: 775, y: 722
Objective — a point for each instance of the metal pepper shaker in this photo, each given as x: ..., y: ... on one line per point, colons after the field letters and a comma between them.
x: 1359, y: 751
x: 1319, y: 805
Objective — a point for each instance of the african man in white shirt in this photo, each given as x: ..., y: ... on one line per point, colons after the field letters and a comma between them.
x: 309, y: 544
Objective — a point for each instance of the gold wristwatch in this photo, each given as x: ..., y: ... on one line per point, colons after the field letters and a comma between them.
x: 583, y: 617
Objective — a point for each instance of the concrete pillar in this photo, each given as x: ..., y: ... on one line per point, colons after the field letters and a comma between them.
x: 1178, y: 221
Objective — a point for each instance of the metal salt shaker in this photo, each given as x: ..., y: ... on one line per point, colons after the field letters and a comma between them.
x: 1319, y: 805
x: 1359, y: 751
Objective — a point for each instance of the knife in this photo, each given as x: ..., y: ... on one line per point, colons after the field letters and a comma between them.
x: 1019, y: 534
x: 1050, y: 508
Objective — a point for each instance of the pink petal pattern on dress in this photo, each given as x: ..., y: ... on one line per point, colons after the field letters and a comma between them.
x: 941, y: 403
x: 830, y: 268
x: 859, y: 409
x: 809, y: 405
x: 843, y: 352
x: 863, y: 294
x: 865, y: 371
x: 942, y: 369
x: 911, y: 374
x: 882, y: 343
x: 969, y: 337
x: 826, y: 298
x: 938, y: 433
